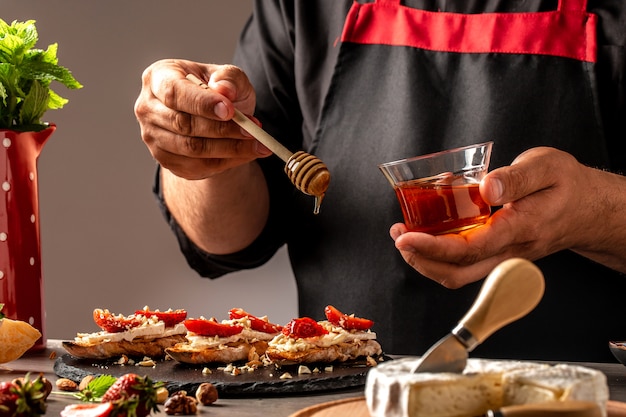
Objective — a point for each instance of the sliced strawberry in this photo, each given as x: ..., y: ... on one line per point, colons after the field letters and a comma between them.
x: 345, y: 321
x: 115, y: 324
x: 205, y: 327
x: 87, y: 410
x: 303, y: 327
x: 256, y: 323
x: 170, y: 317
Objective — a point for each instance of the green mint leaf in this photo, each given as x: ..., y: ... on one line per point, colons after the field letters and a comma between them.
x: 34, y: 105
x: 96, y: 388
x: 26, y: 74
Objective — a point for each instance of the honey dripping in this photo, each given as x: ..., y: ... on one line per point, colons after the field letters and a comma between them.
x: 318, y: 203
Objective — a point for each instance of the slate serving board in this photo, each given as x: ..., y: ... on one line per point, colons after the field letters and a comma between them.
x: 262, y: 382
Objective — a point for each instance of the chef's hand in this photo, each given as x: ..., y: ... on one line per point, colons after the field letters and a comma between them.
x: 187, y: 128
x: 550, y: 202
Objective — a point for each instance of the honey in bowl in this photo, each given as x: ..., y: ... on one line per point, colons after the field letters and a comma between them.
x: 439, y: 192
x: 444, y: 204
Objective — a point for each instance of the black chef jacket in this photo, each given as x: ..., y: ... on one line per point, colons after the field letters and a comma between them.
x: 295, y: 53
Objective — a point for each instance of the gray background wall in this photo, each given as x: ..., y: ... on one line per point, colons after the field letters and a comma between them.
x: 104, y: 242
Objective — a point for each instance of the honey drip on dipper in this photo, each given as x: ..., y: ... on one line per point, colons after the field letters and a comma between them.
x: 307, y: 172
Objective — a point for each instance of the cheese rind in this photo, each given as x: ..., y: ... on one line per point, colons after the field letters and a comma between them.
x: 392, y: 390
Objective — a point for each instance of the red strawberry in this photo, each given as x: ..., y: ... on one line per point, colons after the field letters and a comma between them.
x: 8, y: 399
x: 170, y: 317
x: 115, y: 323
x: 211, y: 327
x: 303, y: 327
x: 340, y: 319
x: 23, y: 397
x: 132, y: 395
x: 256, y: 323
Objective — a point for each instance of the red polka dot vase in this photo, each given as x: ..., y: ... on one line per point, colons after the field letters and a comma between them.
x: 21, y: 279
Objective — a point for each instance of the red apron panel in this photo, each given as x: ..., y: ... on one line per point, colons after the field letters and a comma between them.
x: 568, y: 32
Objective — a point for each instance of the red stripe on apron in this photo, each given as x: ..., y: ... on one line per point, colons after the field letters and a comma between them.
x: 568, y: 32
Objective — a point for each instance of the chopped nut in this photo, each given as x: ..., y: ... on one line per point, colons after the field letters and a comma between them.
x: 286, y: 375
x: 371, y: 361
x: 254, y: 361
x: 253, y: 355
x: 161, y: 395
x: 65, y: 384
x: 123, y: 360
x: 206, y: 371
x: 206, y: 393
x: 303, y: 370
x: 149, y: 362
x: 84, y: 382
x: 181, y: 404
x: 328, y: 368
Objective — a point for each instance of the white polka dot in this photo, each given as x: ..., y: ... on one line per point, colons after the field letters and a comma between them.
x: 6, y: 142
x: 3, y: 237
x: 32, y: 261
x: 31, y: 176
x: 32, y: 218
x: 31, y: 320
x: 6, y: 186
x: 1, y: 274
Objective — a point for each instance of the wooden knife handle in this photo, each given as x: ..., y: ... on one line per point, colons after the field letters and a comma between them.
x: 569, y: 408
x: 511, y: 291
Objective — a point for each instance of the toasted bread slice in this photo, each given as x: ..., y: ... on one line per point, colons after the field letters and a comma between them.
x: 139, y: 347
x: 224, y: 354
x: 16, y: 337
x: 341, y: 352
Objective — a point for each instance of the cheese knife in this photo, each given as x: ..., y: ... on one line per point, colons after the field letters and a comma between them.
x: 569, y: 408
x: 511, y: 291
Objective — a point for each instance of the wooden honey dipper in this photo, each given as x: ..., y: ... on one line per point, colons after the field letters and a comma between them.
x: 307, y: 172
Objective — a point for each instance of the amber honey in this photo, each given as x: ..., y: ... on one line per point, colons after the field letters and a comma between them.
x: 441, y: 205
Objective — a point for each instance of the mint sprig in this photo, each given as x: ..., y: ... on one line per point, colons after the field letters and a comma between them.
x: 96, y: 388
x: 26, y: 73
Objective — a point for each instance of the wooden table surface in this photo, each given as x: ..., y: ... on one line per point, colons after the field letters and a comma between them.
x: 239, y: 407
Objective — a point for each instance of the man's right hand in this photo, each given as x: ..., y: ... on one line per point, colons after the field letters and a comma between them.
x: 188, y: 128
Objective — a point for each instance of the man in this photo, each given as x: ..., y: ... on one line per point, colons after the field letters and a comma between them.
x: 357, y: 84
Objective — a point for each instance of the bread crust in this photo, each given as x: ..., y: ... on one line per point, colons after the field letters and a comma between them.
x: 139, y: 347
x: 341, y: 352
x: 228, y: 353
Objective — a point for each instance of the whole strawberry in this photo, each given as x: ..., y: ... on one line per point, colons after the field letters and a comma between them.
x: 23, y: 397
x: 132, y: 396
x: 8, y: 399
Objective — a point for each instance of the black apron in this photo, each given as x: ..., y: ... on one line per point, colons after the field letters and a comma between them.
x: 409, y: 82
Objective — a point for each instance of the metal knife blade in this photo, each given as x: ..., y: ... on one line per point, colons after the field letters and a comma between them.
x: 446, y: 355
x: 511, y: 291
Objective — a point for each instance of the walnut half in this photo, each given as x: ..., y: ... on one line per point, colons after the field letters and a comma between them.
x: 180, y: 403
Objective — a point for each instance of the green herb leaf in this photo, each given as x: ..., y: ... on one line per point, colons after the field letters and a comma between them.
x: 1, y: 307
x: 26, y: 74
x: 96, y: 388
